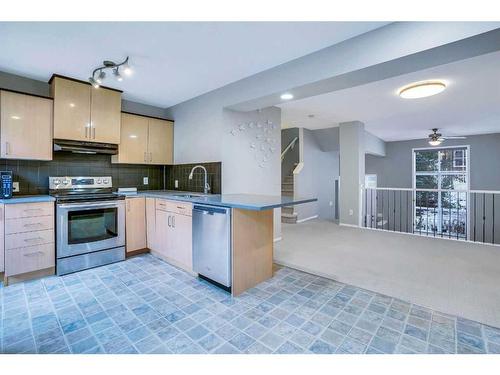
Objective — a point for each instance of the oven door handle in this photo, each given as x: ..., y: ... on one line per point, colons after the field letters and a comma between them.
x: 89, y: 205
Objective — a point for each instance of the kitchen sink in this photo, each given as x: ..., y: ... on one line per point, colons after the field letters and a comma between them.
x: 188, y: 196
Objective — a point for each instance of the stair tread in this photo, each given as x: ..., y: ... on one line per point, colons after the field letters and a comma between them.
x: 283, y: 214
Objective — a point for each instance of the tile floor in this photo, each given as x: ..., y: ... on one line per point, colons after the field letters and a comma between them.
x: 144, y: 305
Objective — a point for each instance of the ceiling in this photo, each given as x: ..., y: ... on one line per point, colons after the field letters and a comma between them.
x: 469, y: 105
x: 172, y: 61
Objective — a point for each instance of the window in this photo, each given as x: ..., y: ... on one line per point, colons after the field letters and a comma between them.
x: 441, y: 180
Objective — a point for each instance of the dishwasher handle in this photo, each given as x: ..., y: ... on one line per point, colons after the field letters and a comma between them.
x: 208, y: 210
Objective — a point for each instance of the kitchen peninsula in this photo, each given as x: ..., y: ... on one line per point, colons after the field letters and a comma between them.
x: 251, y: 228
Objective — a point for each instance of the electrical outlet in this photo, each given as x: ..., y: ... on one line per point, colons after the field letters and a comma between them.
x: 15, y: 187
x: 176, y: 184
x: 145, y: 180
x: 351, y: 212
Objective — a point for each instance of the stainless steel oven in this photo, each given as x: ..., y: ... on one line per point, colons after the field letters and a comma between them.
x: 88, y: 227
x: 90, y: 223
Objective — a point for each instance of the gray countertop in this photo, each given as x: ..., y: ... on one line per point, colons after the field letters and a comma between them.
x: 27, y: 199
x: 243, y: 201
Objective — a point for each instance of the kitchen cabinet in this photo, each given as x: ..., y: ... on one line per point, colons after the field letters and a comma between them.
x: 135, y: 224
x: 25, y: 126
x: 151, y: 238
x: 28, y: 235
x: 2, y: 241
x: 84, y: 113
x: 174, y: 233
x: 145, y: 140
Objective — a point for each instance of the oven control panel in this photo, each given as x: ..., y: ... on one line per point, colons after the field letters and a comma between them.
x: 56, y: 183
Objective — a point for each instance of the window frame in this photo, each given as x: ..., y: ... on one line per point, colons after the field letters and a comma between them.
x: 439, y: 173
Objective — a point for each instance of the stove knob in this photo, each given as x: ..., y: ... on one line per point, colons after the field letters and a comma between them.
x: 106, y: 180
x: 99, y: 181
x: 66, y: 182
x: 57, y: 182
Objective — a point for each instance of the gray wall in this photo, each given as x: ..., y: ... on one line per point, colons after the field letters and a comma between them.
x: 395, y: 169
x: 317, y: 178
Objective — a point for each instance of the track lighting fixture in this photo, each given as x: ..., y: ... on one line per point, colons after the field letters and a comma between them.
x: 99, y: 74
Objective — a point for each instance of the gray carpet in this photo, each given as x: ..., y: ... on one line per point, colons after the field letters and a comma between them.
x: 454, y: 277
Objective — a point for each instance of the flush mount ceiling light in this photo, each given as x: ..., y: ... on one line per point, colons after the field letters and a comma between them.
x: 423, y: 89
x: 99, y: 74
x: 286, y: 96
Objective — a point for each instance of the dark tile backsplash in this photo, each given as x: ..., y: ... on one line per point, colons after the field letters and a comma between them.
x: 181, y: 172
x: 33, y: 176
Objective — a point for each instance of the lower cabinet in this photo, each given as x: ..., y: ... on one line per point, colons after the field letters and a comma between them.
x: 28, y: 233
x: 151, y: 239
x: 2, y: 242
x: 173, y: 233
x: 135, y: 224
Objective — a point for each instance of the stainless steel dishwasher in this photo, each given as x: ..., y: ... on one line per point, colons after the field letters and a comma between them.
x: 212, y: 243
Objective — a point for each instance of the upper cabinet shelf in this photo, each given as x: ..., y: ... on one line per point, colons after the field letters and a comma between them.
x: 83, y: 113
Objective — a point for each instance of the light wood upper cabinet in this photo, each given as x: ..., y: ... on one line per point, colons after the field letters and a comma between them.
x: 145, y: 140
x: 134, y: 140
x: 135, y: 223
x: 161, y: 140
x: 71, y: 109
x: 83, y: 113
x: 105, y: 115
x: 25, y: 126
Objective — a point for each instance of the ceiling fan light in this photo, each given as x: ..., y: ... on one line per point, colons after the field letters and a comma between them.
x: 418, y: 90
x: 435, y: 142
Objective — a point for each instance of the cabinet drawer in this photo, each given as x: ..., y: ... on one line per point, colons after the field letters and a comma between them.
x: 16, y: 211
x: 28, y: 259
x: 29, y: 224
x: 182, y: 208
x: 17, y: 240
x: 164, y: 205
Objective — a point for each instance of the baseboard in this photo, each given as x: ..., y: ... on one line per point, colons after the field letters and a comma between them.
x: 307, y: 219
x: 136, y: 252
x: 9, y: 280
x: 277, y: 239
x: 349, y: 225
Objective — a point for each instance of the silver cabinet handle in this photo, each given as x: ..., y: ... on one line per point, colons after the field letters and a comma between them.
x: 150, y: 156
x: 145, y: 156
x: 37, y: 239
x: 173, y: 221
x: 168, y: 220
x: 34, y: 254
x: 87, y: 131
x: 7, y: 148
x: 93, y: 133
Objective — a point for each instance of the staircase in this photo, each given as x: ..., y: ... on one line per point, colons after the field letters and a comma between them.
x: 287, y: 213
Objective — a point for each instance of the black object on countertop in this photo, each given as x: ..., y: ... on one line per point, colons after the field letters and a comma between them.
x: 6, y: 178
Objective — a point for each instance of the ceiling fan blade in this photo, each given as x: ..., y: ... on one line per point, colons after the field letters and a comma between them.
x: 453, y: 137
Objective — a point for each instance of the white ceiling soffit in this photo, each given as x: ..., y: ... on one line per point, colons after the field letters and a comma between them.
x: 469, y: 105
x: 173, y: 61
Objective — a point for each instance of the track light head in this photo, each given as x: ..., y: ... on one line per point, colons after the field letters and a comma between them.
x: 118, y: 76
x: 94, y: 83
x: 101, y: 76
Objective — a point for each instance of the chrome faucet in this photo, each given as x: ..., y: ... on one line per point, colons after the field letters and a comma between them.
x: 206, y: 187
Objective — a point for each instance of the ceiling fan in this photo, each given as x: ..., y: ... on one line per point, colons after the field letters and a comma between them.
x: 435, y: 138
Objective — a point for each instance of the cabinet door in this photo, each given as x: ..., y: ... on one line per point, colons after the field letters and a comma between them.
x: 182, y: 243
x: 133, y: 140
x: 162, y: 232
x: 105, y: 115
x: 161, y: 138
x: 151, y: 224
x: 135, y: 223
x: 71, y: 109
x: 2, y: 242
x: 26, y: 127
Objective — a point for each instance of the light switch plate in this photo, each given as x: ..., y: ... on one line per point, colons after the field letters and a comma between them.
x: 145, y: 180
x: 15, y: 187
x: 176, y: 184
